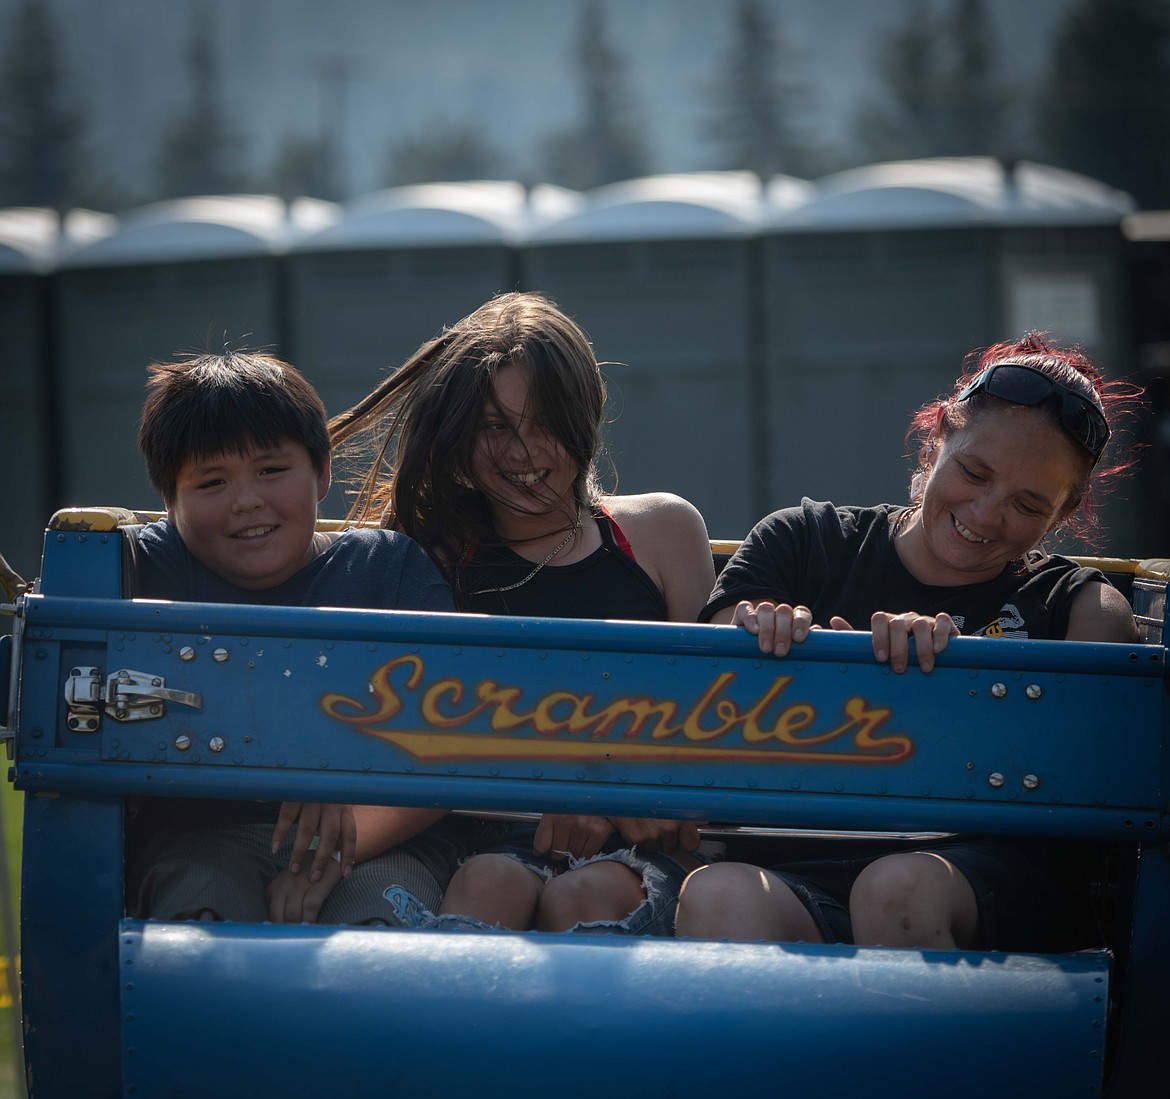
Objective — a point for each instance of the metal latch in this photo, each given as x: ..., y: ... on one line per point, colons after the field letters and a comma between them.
x: 125, y: 696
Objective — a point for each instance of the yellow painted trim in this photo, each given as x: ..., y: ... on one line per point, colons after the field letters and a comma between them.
x: 106, y: 518
x: 1154, y: 568
x: 99, y: 518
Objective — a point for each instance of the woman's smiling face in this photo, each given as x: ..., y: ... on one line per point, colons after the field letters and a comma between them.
x: 998, y: 484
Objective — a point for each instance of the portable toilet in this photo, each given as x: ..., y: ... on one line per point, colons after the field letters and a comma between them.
x: 178, y: 277
x: 660, y: 272
x: 32, y: 241
x: 396, y: 267
x: 1147, y: 245
x: 877, y: 288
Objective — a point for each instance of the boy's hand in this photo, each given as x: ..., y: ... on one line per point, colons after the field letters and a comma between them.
x: 334, y: 826
x: 293, y: 898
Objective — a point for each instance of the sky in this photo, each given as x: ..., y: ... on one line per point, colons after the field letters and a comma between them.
x: 501, y: 66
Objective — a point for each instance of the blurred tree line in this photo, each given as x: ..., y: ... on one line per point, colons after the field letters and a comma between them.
x: 1101, y: 107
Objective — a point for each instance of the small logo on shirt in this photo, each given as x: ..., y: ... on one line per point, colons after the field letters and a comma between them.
x: 1009, y: 623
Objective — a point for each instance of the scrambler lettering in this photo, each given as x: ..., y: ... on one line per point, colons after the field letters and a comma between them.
x: 495, y: 720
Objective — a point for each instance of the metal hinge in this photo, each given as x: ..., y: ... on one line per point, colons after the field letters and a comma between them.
x: 125, y: 696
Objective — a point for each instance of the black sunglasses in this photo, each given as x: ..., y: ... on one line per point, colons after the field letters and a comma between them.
x: 1022, y: 384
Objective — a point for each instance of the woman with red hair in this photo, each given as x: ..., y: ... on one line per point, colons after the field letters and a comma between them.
x: 1016, y: 451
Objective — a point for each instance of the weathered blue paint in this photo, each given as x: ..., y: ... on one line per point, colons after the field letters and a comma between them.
x: 398, y: 1012
x: 545, y: 715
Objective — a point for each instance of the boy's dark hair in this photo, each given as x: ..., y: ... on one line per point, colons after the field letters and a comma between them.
x: 234, y: 403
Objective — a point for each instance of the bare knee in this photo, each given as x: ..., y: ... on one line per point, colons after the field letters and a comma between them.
x: 734, y: 900
x: 599, y: 891
x: 917, y: 899
x: 496, y: 889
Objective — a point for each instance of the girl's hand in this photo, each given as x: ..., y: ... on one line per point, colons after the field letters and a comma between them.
x: 651, y: 835
x: 561, y: 834
x: 334, y: 826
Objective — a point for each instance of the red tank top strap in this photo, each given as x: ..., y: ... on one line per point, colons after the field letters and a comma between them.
x: 619, y: 535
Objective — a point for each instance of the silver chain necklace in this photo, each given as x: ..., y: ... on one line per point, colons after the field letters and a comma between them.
x: 560, y: 546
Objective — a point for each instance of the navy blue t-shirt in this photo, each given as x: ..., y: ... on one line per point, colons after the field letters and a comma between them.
x: 360, y: 568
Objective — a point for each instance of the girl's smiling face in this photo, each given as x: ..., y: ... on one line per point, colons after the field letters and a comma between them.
x: 518, y: 463
x: 997, y: 485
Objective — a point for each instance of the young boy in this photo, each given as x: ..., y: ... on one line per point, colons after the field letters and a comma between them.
x: 237, y: 447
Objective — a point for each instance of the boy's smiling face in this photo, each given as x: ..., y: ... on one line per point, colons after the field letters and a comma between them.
x: 250, y: 518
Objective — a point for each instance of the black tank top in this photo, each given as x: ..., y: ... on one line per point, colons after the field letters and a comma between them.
x: 608, y: 583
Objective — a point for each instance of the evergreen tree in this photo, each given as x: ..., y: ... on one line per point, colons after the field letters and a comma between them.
x: 975, y: 98
x: 940, y: 93
x: 607, y: 145
x: 40, y: 128
x: 201, y: 150
x: 757, y: 98
x: 306, y: 166
x: 1105, y: 107
x: 440, y: 151
x: 907, y: 121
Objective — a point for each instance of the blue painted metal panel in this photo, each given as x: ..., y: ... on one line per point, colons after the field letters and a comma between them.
x: 246, y: 1010
x: 85, y: 563
x: 1141, y: 1054
x: 71, y: 901
x: 546, y: 715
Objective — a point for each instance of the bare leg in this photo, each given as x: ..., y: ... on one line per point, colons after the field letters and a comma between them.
x: 597, y: 891
x: 914, y: 900
x: 734, y: 900
x: 495, y: 889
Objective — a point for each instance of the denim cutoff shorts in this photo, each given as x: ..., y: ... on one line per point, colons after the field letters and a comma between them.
x: 662, y: 877
x: 1020, y: 907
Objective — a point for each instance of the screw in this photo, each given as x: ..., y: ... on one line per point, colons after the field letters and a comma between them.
x: 182, y: 742
x: 220, y: 656
x: 995, y: 779
x: 186, y: 653
x: 998, y: 690
x: 1030, y: 782
x: 216, y: 744
x: 1033, y: 691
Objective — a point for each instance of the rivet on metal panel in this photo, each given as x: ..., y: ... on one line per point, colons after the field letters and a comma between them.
x: 998, y: 690
x: 1030, y: 782
x: 995, y: 779
x: 220, y: 656
x: 1033, y: 691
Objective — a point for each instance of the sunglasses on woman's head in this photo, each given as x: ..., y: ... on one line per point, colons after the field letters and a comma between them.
x: 1019, y: 383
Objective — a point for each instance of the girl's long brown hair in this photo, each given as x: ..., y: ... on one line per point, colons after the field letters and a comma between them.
x: 415, y: 434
